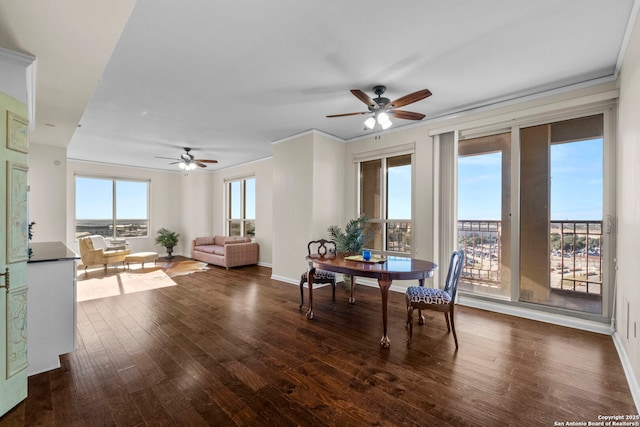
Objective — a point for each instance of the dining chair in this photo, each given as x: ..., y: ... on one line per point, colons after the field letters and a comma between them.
x: 442, y: 300
x: 320, y: 247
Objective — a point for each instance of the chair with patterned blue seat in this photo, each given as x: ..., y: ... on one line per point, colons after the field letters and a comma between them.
x: 321, y: 247
x: 442, y: 300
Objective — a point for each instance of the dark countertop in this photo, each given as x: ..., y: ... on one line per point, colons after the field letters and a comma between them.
x: 50, y: 251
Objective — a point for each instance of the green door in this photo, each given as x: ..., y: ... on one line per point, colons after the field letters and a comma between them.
x: 13, y: 252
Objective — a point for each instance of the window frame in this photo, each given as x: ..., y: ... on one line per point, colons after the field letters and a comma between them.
x: 243, y: 223
x: 577, y: 108
x: 383, y: 156
x: 114, y: 207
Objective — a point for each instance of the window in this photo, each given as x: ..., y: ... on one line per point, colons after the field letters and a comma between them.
x: 385, y: 197
x: 241, y: 213
x: 484, y: 211
x: 113, y: 208
x: 560, y: 233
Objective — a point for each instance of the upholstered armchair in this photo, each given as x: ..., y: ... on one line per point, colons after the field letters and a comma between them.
x: 94, y: 250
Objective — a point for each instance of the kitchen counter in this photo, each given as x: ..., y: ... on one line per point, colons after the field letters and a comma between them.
x: 50, y: 251
x: 51, y: 306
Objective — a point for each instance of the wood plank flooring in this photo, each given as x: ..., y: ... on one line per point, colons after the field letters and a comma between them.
x: 230, y: 347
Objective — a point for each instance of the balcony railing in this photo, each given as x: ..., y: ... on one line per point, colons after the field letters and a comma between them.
x: 481, y: 242
x: 575, y: 258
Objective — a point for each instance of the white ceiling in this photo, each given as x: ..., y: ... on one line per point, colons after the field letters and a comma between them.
x: 228, y: 78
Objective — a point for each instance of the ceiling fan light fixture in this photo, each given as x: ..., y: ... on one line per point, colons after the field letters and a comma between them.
x: 381, y: 107
x: 370, y: 123
x: 187, y: 165
x: 383, y: 118
x: 187, y: 161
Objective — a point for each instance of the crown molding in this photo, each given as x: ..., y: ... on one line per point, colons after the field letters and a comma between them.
x: 28, y: 63
x: 309, y: 132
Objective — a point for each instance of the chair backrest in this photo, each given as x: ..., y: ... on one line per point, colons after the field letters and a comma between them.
x: 98, y: 241
x: 85, y: 244
x: 321, y: 247
x: 453, y: 275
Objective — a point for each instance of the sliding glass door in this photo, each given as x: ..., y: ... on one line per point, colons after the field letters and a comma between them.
x: 561, y: 241
x: 561, y: 214
x: 484, y: 226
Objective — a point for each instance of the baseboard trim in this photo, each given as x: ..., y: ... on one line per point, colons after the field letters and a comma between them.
x: 285, y: 279
x: 526, y: 313
x: 634, y: 387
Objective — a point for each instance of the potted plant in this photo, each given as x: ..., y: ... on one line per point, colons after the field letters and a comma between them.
x: 30, y: 236
x: 352, y: 239
x: 168, y: 239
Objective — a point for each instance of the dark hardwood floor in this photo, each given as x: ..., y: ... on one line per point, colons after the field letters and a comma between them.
x: 230, y: 348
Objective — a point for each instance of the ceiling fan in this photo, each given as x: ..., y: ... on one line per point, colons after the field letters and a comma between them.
x: 382, y: 108
x: 187, y: 161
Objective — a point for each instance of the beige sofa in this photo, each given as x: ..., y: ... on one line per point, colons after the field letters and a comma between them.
x: 225, y: 251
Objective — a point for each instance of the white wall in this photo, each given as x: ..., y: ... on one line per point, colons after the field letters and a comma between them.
x: 196, y: 207
x: 308, y: 189
x: 628, y: 207
x: 263, y: 172
x: 292, y: 205
x: 328, y: 186
x: 48, y: 192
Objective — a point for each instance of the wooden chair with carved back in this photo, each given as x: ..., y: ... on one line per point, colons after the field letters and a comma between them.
x: 320, y: 247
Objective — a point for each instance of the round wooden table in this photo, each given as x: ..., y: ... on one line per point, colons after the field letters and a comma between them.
x: 393, y: 268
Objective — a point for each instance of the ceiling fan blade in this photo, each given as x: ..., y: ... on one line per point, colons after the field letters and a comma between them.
x: 407, y: 115
x: 206, y: 161
x: 364, y: 98
x: 202, y: 165
x: 168, y: 158
x: 411, y: 98
x: 349, y: 114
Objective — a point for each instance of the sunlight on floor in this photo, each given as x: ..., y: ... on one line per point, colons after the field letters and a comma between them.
x: 122, y: 283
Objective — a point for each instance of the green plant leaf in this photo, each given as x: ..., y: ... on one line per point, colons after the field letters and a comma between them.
x: 354, y: 237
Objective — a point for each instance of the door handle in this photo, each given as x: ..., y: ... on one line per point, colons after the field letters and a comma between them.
x: 6, y: 279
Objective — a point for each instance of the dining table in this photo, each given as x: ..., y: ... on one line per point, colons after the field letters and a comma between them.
x: 384, y: 269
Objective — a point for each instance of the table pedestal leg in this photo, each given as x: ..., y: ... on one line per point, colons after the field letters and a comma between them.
x: 311, y: 272
x: 385, y: 284
x: 352, y: 299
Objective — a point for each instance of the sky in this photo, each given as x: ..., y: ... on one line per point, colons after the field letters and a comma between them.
x: 399, y: 188
x: 94, y: 199
x: 250, y: 199
x: 576, y: 183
